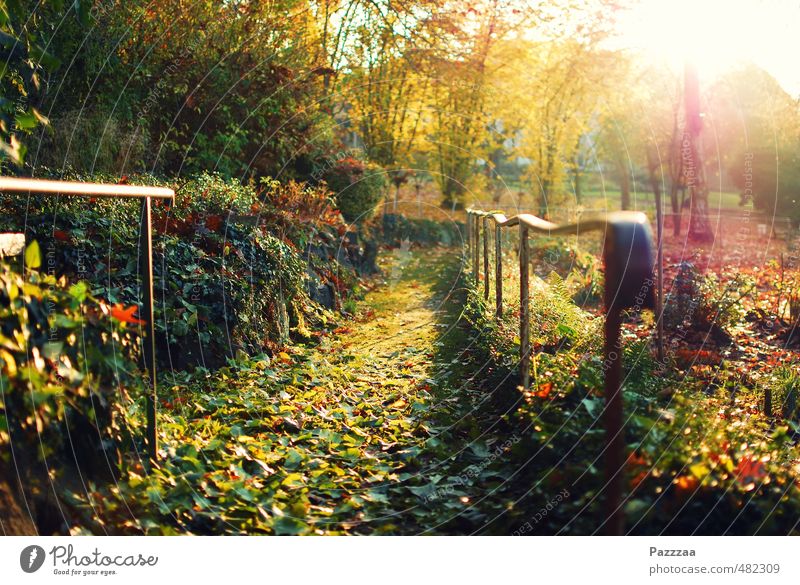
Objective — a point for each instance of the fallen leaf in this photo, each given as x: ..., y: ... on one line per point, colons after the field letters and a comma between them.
x: 126, y: 315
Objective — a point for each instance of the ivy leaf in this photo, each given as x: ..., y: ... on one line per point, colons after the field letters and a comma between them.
x: 288, y: 526
x: 47, y: 60
x: 33, y: 255
x: 120, y: 313
x: 30, y: 119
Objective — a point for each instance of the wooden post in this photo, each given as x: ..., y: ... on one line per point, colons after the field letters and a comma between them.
x: 498, y: 272
x: 485, y: 258
x: 524, y: 311
x: 147, y: 315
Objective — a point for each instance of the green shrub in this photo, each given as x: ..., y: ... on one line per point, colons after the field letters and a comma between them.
x: 580, y: 269
x: 66, y: 363
x: 358, y: 187
x: 556, y: 322
x: 232, y: 261
x: 704, y: 302
x: 91, y: 141
x: 785, y: 386
x: 723, y: 302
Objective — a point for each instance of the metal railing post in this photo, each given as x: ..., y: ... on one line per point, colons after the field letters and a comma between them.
x: 615, y: 434
x: 475, y: 262
x: 524, y: 309
x: 485, y: 258
x: 660, y: 280
x: 148, y: 315
x: 146, y: 194
x: 469, y: 231
x: 629, y: 284
x: 498, y: 272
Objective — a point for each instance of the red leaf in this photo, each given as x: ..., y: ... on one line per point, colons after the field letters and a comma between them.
x: 126, y: 315
x: 61, y: 235
x: 750, y: 470
x: 544, y: 390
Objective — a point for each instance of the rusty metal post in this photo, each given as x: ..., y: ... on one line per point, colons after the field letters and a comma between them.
x: 147, y: 315
x: 485, y: 258
x: 629, y: 284
x: 469, y: 233
x: 659, y: 299
x: 498, y: 272
x: 467, y: 227
x: 476, y: 255
x: 768, y: 402
x: 146, y: 194
x: 524, y: 310
x: 615, y: 435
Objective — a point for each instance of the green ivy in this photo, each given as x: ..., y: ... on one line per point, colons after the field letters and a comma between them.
x: 67, y: 368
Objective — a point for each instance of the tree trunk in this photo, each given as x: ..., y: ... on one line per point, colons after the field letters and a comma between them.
x: 699, y: 226
x: 624, y: 187
x: 576, y: 173
x: 676, y: 208
x: 545, y: 193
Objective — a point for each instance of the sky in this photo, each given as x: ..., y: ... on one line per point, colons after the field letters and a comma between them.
x: 717, y: 35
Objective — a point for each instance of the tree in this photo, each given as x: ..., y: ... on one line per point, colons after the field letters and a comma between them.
x: 563, y: 87
x: 228, y: 87
x: 757, y: 125
x: 636, y: 130
x: 385, y: 88
x: 459, y: 121
x: 693, y: 168
x: 28, y: 64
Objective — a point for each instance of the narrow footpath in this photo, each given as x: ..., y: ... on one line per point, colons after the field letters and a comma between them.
x: 378, y: 429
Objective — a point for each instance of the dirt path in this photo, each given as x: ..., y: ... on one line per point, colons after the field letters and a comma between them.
x: 399, y: 323
x: 376, y: 429
x: 412, y: 335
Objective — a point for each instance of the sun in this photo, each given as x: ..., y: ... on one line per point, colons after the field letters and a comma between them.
x: 716, y: 36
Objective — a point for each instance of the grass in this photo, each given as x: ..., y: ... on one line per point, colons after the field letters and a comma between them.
x: 644, y: 200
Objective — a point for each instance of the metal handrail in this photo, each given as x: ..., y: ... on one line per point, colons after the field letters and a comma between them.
x: 628, y: 256
x: 146, y: 194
